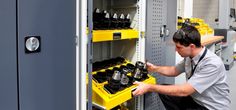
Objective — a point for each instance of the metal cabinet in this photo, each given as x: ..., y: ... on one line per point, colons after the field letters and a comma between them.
x: 8, y: 56
x: 44, y: 80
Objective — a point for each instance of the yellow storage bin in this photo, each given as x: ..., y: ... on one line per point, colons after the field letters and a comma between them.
x: 199, y: 20
x: 109, y: 101
x: 198, y: 27
x: 180, y: 20
x: 202, y: 32
x: 210, y: 31
x: 192, y: 20
x: 179, y: 27
x: 203, y: 28
x: 102, y: 96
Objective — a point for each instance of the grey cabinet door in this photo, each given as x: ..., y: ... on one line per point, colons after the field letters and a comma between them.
x: 160, y: 51
x: 47, y: 78
x: 8, y: 56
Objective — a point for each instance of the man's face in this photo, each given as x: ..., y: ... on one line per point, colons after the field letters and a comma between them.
x: 182, y: 50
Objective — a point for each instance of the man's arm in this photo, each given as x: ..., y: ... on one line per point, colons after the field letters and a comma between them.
x: 174, y: 90
x: 170, y: 71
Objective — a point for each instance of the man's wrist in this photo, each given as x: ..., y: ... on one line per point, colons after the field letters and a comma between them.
x: 156, y: 68
x: 150, y: 88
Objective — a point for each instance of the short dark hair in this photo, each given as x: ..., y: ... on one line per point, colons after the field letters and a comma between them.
x: 187, y: 35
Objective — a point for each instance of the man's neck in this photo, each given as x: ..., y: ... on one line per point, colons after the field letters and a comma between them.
x: 196, y: 52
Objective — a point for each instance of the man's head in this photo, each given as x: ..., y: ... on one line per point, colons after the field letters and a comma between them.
x: 187, y: 41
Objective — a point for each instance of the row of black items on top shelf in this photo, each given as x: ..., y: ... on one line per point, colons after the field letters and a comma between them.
x: 104, y: 21
x: 118, y: 78
x: 108, y: 63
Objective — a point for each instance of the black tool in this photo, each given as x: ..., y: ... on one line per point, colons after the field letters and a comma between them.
x: 137, y: 74
x: 96, y: 19
x: 114, y: 21
x: 127, y: 21
x: 124, y: 78
x: 121, y: 20
x: 106, y: 21
x: 114, y: 83
x: 130, y: 67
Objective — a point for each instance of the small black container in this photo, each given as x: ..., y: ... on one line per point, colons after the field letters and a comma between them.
x: 114, y: 82
x: 121, y: 23
x: 100, y: 77
x: 130, y: 67
x: 96, y: 19
x: 137, y: 74
x: 106, y: 20
x: 114, y: 21
x: 127, y: 21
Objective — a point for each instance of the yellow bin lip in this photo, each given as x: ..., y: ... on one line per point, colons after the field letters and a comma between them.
x: 110, y: 35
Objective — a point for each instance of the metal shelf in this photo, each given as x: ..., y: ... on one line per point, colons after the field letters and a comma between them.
x: 110, y: 35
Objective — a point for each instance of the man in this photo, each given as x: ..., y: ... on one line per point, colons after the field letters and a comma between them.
x: 206, y: 86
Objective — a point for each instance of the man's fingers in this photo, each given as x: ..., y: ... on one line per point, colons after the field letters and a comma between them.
x: 149, y: 64
x: 136, y: 83
x: 135, y: 92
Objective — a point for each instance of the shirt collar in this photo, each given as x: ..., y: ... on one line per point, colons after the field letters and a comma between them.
x: 197, y: 57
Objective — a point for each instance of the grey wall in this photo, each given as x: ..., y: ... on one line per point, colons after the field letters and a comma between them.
x: 206, y: 9
x: 180, y: 8
x: 8, y: 64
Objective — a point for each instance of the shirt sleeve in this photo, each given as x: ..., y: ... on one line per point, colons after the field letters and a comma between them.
x: 181, y: 66
x: 206, y: 76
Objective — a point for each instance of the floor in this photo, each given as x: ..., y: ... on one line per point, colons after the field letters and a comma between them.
x: 232, y: 84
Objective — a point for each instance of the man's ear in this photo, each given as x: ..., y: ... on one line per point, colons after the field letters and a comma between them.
x: 192, y: 46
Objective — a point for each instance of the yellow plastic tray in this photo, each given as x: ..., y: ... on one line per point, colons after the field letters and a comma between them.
x: 109, y: 35
x: 109, y: 101
x: 103, y: 98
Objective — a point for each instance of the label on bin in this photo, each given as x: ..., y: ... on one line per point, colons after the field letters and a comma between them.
x: 116, y: 35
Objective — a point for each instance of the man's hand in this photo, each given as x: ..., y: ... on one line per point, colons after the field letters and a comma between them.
x: 170, y: 71
x: 142, y: 88
x: 151, y: 67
